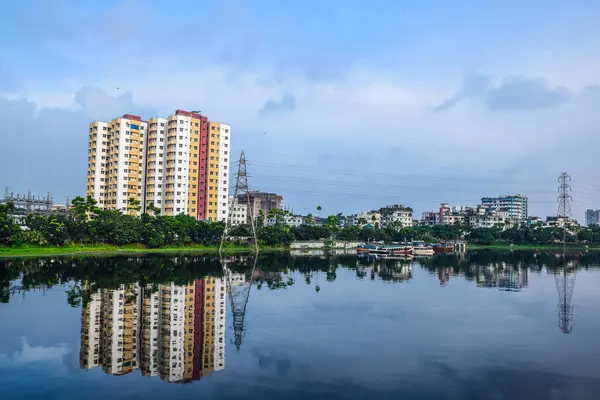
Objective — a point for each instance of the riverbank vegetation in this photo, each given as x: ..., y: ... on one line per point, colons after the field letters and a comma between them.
x: 88, y: 229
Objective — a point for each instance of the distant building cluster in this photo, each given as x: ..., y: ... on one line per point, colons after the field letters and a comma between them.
x: 174, y: 165
x: 510, y: 210
x: 397, y: 215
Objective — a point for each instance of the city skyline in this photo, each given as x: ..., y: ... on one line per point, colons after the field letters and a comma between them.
x: 456, y: 100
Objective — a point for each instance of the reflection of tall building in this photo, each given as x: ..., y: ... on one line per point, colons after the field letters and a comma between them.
x: 89, y: 356
x: 176, y: 332
x: 214, y: 325
x: 149, y: 333
x: 119, y: 329
x: 444, y: 275
x: 503, y: 277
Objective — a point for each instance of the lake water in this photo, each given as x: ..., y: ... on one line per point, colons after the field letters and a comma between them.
x: 486, y: 325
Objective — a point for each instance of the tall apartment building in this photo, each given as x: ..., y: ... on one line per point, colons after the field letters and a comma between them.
x: 98, y: 156
x: 217, y: 176
x: 515, y: 205
x: 173, y: 164
x: 116, y: 162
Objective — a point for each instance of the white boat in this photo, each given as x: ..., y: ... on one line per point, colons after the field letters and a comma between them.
x: 421, y: 249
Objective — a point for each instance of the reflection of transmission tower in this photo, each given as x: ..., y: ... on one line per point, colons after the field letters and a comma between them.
x: 240, y: 191
x: 565, y: 283
x: 565, y: 279
x: 239, y: 293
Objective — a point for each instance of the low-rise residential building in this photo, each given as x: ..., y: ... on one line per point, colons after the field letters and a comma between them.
x: 239, y: 212
x: 262, y: 201
x: 365, y: 218
x: 396, y: 214
x: 288, y: 220
x: 560, y: 222
x: 483, y: 217
x: 430, y: 218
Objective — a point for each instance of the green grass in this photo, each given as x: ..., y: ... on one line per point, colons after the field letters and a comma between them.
x: 531, y: 247
x: 32, y: 250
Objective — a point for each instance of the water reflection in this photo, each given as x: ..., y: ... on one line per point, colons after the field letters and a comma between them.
x: 166, y: 315
x: 173, y: 331
x: 565, y: 283
x: 315, y: 322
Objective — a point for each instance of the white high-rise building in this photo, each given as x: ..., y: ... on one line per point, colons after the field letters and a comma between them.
x: 98, y: 157
x: 117, y: 165
x: 218, y: 173
x: 156, y: 163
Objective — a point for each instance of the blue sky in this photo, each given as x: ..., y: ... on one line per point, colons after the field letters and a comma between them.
x: 432, y: 101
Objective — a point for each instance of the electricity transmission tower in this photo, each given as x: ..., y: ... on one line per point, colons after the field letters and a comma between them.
x: 239, y: 293
x: 241, y: 193
x: 565, y: 279
x: 564, y: 201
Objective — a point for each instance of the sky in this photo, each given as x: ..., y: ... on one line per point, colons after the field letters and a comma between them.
x: 346, y: 104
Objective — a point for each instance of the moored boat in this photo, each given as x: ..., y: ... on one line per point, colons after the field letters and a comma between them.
x: 395, y: 250
x: 422, y: 249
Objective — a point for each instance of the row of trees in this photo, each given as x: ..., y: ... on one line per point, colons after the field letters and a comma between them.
x: 87, y: 224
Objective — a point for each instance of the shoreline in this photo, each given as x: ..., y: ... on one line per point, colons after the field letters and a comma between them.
x: 46, y: 251
x: 109, y: 250
x: 532, y: 247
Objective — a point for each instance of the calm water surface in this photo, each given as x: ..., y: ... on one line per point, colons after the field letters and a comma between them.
x: 479, y: 326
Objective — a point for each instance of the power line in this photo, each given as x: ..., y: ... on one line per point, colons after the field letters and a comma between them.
x: 371, y: 174
x: 367, y: 197
x: 384, y: 185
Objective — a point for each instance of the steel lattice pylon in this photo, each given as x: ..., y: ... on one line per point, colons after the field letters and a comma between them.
x: 240, y: 191
x: 565, y: 279
x: 239, y: 293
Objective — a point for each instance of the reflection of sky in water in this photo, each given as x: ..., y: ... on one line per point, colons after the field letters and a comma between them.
x: 353, y: 339
x: 28, y: 355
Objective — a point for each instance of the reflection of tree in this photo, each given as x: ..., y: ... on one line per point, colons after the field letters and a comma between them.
x: 277, y: 270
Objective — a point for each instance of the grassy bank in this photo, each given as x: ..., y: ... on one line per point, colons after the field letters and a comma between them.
x: 30, y: 250
x: 532, y: 247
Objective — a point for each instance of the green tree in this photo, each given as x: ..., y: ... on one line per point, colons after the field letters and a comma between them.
x: 9, y: 230
x: 133, y: 205
x: 309, y: 220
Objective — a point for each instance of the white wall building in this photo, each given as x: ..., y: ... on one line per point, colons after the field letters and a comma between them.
x: 400, y: 214
x: 288, y: 220
x: 365, y: 218
x: 116, y: 162
x: 98, y: 157
x: 516, y: 205
x: 156, y: 163
x: 239, y: 214
x: 223, y: 174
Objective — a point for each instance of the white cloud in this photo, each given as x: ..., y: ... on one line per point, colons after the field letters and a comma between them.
x: 362, y: 111
x: 28, y: 354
